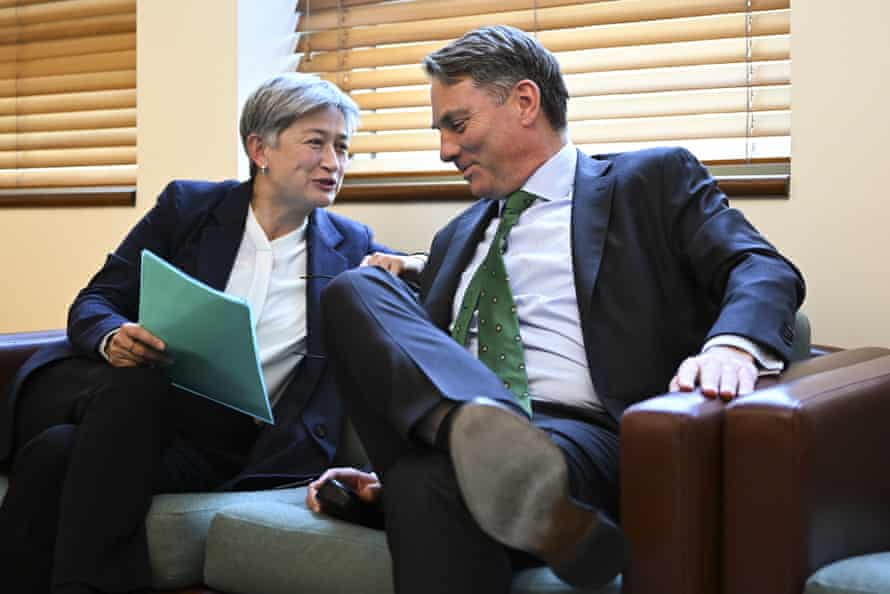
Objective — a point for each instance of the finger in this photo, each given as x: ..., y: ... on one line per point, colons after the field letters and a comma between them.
x: 687, y: 375
x: 674, y: 386
x: 709, y: 377
x: 140, y: 335
x: 370, y: 492
x: 729, y: 382
x: 144, y: 353
x: 311, y: 500
x: 747, y: 380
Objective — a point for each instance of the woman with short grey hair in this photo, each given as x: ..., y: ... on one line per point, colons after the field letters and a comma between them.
x: 98, y: 426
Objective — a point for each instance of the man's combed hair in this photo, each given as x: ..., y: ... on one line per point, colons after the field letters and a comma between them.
x: 496, y: 58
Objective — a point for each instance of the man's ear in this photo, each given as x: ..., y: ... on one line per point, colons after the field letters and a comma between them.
x: 527, y: 96
x: 256, y: 148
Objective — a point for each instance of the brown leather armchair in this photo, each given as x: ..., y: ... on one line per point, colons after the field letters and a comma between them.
x: 806, y: 467
x: 756, y: 495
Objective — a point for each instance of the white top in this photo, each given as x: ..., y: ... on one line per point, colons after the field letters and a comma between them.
x: 269, y: 275
x: 539, y: 263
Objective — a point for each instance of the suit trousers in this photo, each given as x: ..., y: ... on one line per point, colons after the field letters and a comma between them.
x: 93, y: 444
x: 393, y: 367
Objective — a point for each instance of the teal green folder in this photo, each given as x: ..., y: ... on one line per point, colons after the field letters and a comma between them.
x: 209, y: 335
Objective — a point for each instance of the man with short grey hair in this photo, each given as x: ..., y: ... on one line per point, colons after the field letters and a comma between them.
x: 575, y: 287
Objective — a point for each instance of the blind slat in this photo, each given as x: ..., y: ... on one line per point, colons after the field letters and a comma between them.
x: 302, y: 5
x: 68, y: 102
x: 109, y: 175
x: 620, y: 106
x: 68, y: 157
x: 621, y: 35
x: 619, y: 130
x: 403, y: 12
x: 68, y: 47
x: 64, y: 9
x: 68, y: 83
x: 544, y: 19
x: 119, y: 23
x: 721, y: 51
x: 68, y: 139
x: 77, y: 120
x: 621, y: 82
x: 103, y: 62
x: 400, y: 12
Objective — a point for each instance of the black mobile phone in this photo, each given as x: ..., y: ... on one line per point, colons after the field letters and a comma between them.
x: 341, y: 502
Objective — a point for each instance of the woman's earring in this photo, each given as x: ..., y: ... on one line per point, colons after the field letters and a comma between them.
x: 263, y: 169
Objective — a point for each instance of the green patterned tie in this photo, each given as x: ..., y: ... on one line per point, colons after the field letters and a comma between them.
x: 500, y: 345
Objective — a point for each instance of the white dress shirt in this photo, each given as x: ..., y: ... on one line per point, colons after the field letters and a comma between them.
x: 539, y: 263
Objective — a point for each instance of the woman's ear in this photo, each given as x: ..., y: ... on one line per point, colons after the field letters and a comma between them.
x: 256, y: 150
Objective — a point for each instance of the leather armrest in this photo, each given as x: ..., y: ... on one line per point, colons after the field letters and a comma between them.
x: 15, y: 349
x: 806, y: 478
x: 670, y: 494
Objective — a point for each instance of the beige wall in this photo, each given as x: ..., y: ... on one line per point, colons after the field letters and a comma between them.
x: 836, y: 226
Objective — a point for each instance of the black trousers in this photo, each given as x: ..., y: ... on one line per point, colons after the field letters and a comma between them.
x: 394, y: 366
x: 93, y: 443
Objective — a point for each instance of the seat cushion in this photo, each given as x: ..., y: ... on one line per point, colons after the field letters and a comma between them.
x: 177, y: 528
x: 281, y: 549
x: 867, y: 574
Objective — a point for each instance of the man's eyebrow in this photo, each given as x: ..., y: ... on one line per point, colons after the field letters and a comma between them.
x: 447, y: 119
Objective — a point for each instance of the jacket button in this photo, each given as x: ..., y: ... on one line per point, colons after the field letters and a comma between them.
x: 320, y: 431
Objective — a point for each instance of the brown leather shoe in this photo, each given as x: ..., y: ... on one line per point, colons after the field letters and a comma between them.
x: 515, y: 483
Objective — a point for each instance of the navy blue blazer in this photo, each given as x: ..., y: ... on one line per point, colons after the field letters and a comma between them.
x: 661, y: 264
x: 198, y: 227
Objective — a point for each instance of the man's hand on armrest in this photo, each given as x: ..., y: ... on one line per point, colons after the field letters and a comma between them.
x: 723, y: 371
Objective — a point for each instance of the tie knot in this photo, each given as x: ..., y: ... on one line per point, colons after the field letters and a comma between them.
x: 518, y: 201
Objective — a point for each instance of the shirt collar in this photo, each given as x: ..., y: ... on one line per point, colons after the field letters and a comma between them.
x: 555, y: 179
x: 255, y: 231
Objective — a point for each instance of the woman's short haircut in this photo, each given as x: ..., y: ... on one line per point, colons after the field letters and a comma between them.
x: 281, y: 100
x: 495, y: 59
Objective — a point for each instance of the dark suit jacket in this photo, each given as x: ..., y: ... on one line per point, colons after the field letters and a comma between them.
x: 198, y: 227
x: 661, y: 264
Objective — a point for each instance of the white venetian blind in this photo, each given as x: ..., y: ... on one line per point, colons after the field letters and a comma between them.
x: 712, y: 75
x: 67, y: 95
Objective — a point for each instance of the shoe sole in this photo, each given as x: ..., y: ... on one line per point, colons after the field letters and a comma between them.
x: 515, y: 483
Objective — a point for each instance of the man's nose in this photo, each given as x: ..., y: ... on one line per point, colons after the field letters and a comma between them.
x: 448, y: 149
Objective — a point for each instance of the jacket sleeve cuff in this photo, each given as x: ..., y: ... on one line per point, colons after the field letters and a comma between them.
x: 767, y: 362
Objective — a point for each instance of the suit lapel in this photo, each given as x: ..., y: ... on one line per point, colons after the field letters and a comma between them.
x: 221, y: 237
x: 469, y: 230
x: 324, y: 261
x: 591, y: 207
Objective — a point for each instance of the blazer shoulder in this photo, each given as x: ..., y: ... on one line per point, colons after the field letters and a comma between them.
x: 655, y: 157
x: 194, y: 197
x: 349, y: 230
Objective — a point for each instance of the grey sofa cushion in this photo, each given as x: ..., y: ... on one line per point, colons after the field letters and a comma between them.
x: 177, y: 528
x: 867, y: 574
x: 286, y: 549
